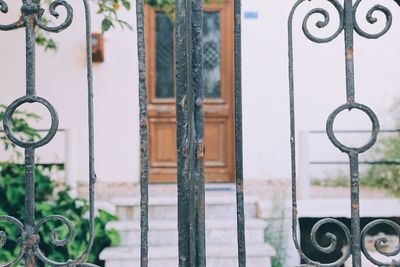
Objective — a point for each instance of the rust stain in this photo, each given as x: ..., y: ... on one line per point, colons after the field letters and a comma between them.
x: 32, y: 240
x: 349, y: 53
x: 185, y: 152
x: 143, y: 122
x: 355, y: 206
x: 294, y: 211
x: 20, y: 22
x: 201, y: 150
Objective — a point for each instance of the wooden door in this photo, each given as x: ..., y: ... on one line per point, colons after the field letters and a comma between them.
x: 218, y: 90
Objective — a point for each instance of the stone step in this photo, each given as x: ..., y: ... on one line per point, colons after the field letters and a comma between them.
x: 166, y: 208
x: 165, y: 233
x: 217, y: 256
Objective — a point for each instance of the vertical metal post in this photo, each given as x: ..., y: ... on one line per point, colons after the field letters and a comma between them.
x: 241, y: 235
x: 144, y: 167
x: 190, y: 133
x: 198, y: 189
x: 355, y: 210
x: 30, y: 34
x: 354, y: 174
x: 29, y: 201
x: 349, y: 42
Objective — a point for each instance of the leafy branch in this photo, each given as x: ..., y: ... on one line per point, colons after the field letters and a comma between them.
x: 107, y: 8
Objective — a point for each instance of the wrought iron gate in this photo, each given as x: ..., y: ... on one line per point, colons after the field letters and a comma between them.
x: 190, y: 134
x: 355, y: 237
x: 31, y: 19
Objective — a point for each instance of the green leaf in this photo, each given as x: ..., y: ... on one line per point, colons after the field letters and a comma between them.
x: 126, y: 4
x: 106, y: 24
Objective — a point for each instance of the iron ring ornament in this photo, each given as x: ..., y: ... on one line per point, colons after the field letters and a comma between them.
x: 8, y: 122
x: 355, y: 237
x: 374, y: 133
x: 29, y: 240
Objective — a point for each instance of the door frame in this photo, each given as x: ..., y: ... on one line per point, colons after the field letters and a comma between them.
x: 214, y: 109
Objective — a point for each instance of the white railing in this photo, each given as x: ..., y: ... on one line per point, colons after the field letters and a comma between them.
x: 336, y: 158
x: 59, y: 152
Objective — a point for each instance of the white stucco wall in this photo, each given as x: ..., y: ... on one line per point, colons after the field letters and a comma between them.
x: 319, y: 80
x: 319, y: 87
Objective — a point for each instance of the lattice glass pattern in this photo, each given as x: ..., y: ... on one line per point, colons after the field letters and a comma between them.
x: 164, y: 56
x: 212, y: 54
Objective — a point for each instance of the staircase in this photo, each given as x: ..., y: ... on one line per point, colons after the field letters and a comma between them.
x: 163, y: 234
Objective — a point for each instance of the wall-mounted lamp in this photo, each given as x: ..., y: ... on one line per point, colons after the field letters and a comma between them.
x: 97, y: 47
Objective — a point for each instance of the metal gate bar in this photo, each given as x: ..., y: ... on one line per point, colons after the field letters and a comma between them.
x: 143, y: 121
x: 241, y: 234
x: 355, y: 237
x: 31, y: 19
x: 190, y: 133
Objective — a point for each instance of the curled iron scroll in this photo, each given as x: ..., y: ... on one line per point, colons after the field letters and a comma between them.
x: 53, y: 234
x: 379, y: 242
x: 12, y: 26
x: 53, y: 11
x: 325, y: 249
x: 323, y: 23
x: 372, y: 20
x: 21, y: 230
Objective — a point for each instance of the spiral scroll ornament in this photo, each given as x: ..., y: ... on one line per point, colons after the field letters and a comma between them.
x: 380, y: 242
x: 333, y: 242
x: 3, y: 237
x: 12, y: 26
x: 372, y: 20
x: 323, y: 23
x: 53, y: 234
x: 53, y: 11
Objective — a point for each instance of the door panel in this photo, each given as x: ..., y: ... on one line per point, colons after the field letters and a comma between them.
x: 163, y: 153
x: 218, y: 92
x: 162, y: 148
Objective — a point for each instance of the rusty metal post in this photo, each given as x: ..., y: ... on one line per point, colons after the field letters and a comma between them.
x: 190, y: 133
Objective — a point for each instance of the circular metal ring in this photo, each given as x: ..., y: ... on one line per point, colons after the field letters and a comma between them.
x: 374, y: 132
x: 8, y: 122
